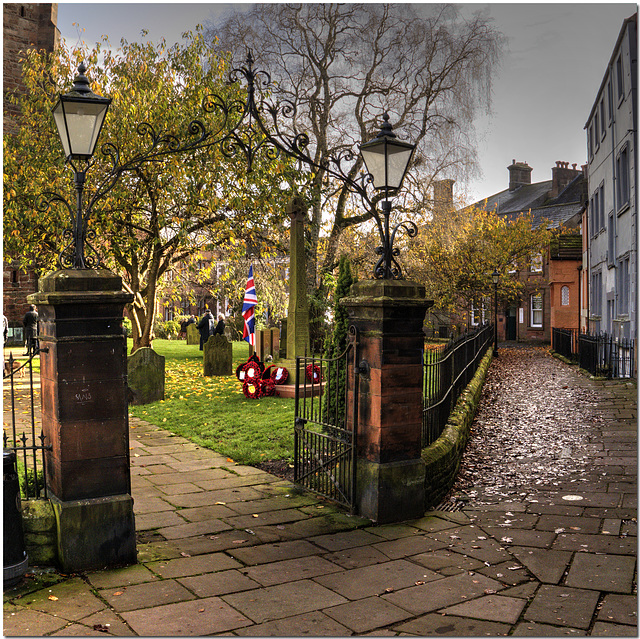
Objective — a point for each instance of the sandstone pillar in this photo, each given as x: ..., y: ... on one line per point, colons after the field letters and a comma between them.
x: 389, y: 316
x: 298, y: 312
x: 85, y: 417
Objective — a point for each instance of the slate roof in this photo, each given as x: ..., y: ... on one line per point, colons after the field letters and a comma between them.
x: 535, y: 198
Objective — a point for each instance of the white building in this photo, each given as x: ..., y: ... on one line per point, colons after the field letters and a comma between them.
x: 611, y: 258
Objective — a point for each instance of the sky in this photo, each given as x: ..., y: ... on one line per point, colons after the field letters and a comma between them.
x: 553, y: 63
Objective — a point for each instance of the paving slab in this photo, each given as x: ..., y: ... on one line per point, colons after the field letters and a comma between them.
x: 218, y: 583
x: 601, y: 629
x: 450, y: 626
x: 268, y: 553
x: 127, y: 576
x: 146, y: 595
x: 546, y: 565
x: 556, y: 605
x: 356, y: 557
x: 621, y: 609
x: 291, y: 570
x: 595, y: 543
x: 187, y: 566
x: 283, y: 600
x: 443, y: 593
x: 344, y: 540
x: 30, y: 623
x: 608, y: 573
x: 490, y: 608
x: 190, y: 618
x: 377, y: 579
x: 312, y: 624
x: 366, y: 615
x: 532, y: 629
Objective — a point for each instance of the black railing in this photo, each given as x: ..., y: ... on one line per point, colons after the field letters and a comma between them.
x: 564, y: 341
x: 605, y: 356
x: 25, y: 439
x: 447, y: 371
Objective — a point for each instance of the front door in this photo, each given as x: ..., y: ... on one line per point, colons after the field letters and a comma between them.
x: 511, y: 324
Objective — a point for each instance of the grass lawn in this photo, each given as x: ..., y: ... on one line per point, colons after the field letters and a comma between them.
x: 214, y: 413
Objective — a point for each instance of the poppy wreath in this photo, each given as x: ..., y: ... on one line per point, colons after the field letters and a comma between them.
x: 240, y: 373
x: 251, y: 371
x: 313, y: 373
x: 268, y: 388
x: 279, y: 375
x: 252, y: 389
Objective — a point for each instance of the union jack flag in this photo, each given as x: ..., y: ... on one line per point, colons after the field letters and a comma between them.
x: 248, y: 310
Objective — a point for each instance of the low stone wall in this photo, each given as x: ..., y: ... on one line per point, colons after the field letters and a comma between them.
x: 40, y: 532
x: 442, y: 458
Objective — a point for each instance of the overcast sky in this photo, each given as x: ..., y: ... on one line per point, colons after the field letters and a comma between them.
x: 552, y: 67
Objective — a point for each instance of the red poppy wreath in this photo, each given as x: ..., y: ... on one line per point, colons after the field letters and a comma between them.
x: 251, y: 371
x: 252, y: 389
x: 313, y: 373
x: 268, y: 388
x: 279, y: 375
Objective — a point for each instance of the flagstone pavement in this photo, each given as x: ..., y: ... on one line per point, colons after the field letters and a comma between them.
x: 231, y: 550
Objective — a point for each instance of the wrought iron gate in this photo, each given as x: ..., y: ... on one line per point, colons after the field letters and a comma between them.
x: 326, y: 410
x: 25, y: 438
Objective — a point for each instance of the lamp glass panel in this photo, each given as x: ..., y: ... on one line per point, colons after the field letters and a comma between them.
x: 58, y: 117
x: 398, y: 158
x: 373, y: 157
x: 83, y: 124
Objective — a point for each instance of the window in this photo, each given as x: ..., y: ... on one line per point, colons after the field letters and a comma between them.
x: 536, y: 311
x: 622, y: 284
x: 611, y: 241
x: 622, y: 178
x: 477, y: 314
x: 601, y: 199
x: 536, y: 263
x: 595, y: 217
x: 596, y: 294
x: 610, y: 101
x: 603, y: 123
x: 564, y: 296
x: 620, y: 78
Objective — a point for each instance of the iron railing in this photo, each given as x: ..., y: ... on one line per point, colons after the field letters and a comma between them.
x: 25, y: 438
x: 564, y: 341
x: 605, y: 356
x: 447, y: 370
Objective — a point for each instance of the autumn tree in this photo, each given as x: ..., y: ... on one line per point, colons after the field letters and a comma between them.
x: 151, y: 210
x: 455, y: 256
x: 343, y: 65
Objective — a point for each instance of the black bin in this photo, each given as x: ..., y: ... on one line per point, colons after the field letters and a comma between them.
x: 15, y: 558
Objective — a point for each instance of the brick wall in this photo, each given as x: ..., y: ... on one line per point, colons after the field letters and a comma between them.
x: 24, y: 26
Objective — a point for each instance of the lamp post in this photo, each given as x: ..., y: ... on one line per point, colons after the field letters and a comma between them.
x: 387, y: 159
x: 495, y: 277
x: 79, y: 116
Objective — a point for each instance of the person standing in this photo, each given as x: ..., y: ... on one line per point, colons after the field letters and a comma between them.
x: 206, y: 326
x: 220, y: 325
x: 30, y: 323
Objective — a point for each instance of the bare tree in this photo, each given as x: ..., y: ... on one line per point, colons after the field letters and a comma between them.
x: 344, y: 65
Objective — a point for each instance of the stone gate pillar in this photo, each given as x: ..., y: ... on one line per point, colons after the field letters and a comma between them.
x: 83, y: 370
x: 389, y: 316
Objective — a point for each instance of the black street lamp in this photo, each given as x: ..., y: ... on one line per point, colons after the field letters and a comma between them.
x: 495, y: 277
x: 79, y: 116
x: 387, y: 159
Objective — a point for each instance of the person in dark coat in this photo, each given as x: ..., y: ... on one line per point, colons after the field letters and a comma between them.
x: 219, y: 330
x: 206, y: 327
x: 30, y: 323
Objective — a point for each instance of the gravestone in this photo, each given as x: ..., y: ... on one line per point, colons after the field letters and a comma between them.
x: 193, y: 335
x: 268, y: 343
x: 145, y: 372
x: 217, y: 356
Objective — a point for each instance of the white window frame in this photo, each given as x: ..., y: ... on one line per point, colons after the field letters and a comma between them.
x: 536, y: 263
x: 534, y: 309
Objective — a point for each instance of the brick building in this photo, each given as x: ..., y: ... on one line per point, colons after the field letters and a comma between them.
x: 24, y: 26
x: 551, y: 295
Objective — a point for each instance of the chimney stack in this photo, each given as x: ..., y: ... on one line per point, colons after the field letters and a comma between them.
x: 519, y: 175
x: 561, y: 175
x: 443, y: 196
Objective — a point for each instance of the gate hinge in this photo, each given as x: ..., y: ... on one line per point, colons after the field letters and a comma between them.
x: 363, y: 367
x: 299, y: 423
